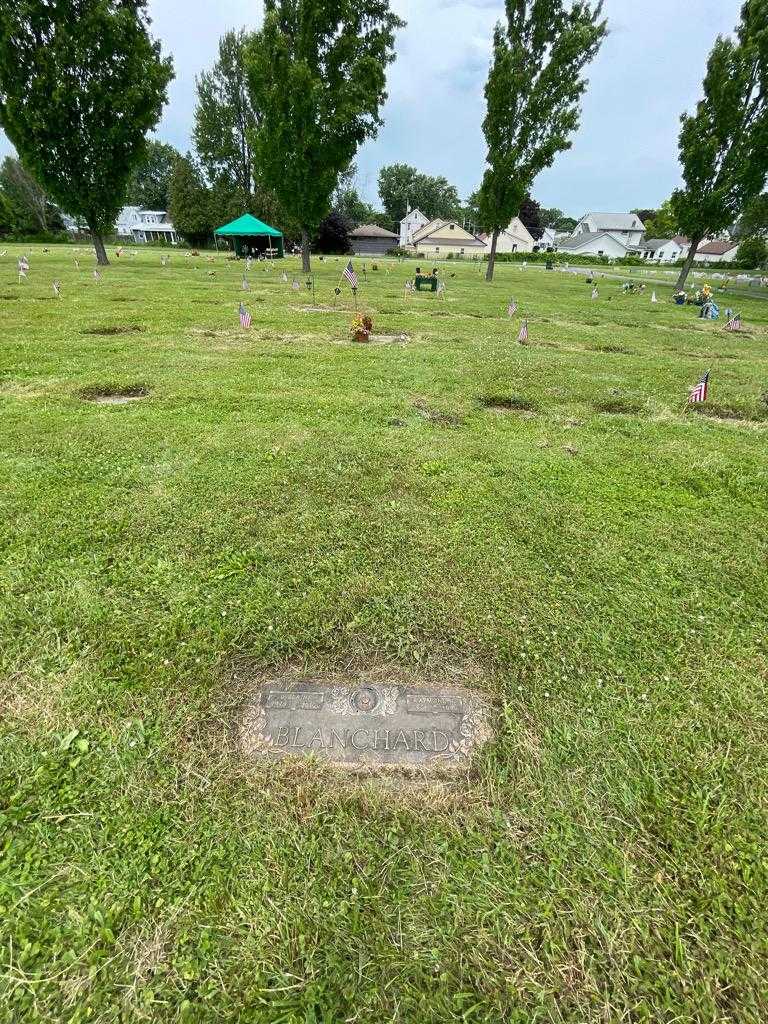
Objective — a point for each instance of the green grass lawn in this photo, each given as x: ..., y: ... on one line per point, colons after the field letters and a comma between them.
x: 593, y: 558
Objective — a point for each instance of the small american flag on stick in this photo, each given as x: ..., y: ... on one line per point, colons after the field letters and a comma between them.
x: 734, y: 324
x: 511, y: 309
x: 523, y: 335
x: 245, y: 317
x: 96, y: 276
x: 699, y: 393
x: 57, y: 289
x: 351, y: 276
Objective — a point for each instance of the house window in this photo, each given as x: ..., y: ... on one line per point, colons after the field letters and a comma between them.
x: 452, y: 226
x: 461, y: 251
x: 600, y: 252
x: 437, y: 248
x: 514, y: 247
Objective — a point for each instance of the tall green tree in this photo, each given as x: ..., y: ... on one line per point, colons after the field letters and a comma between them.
x: 754, y: 221
x: 532, y: 95
x: 151, y: 178
x: 81, y: 83
x: 30, y: 211
x: 317, y: 74
x: 189, y: 202
x: 661, y: 223
x: 402, y: 187
x: 752, y: 253
x: 225, y: 117
x: 724, y: 144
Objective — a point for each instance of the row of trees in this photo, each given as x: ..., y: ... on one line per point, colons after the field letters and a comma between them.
x: 282, y: 113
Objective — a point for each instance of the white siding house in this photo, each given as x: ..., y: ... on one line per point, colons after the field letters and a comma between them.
x: 626, y: 227
x: 413, y: 221
x: 717, y: 252
x: 145, y: 225
x: 593, y: 243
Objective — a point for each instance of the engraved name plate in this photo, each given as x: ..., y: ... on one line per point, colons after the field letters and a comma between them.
x: 365, y: 724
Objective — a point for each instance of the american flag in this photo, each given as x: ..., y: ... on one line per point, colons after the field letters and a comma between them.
x: 523, y: 335
x: 511, y: 309
x: 351, y: 276
x: 734, y: 324
x: 57, y: 289
x: 595, y: 293
x: 295, y: 285
x: 245, y: 316
x: 96, y: 276
x: 699, y: 393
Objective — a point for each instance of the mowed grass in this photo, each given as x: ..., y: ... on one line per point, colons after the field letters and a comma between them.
x: 547, y: 523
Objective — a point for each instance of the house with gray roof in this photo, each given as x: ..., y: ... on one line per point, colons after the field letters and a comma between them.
x: 626, y: 227
x: 593, y: 243
x: 371, y: 240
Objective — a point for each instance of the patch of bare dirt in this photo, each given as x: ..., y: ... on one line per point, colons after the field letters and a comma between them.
x: 110, y: 330
x: 110, y: 395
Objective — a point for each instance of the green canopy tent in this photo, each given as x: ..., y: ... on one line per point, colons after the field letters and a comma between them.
x: 248, y: 233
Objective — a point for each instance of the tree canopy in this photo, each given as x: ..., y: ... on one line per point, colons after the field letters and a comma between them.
x: 151, y: 178
x: 532, y: 95
x: 724, y: 143
x: 225, y: 118
x: 317, y: 75
x: 190, y: 202
x: 79, y: 90
x: 402, y: 186
x: 661, y: 223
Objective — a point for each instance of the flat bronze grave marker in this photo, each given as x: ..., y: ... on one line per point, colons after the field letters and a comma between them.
x: 365, y: 725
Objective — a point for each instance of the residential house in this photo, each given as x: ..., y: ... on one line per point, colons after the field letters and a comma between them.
x: 665, y: 250
x: 717, y: 252
x: 548, y: 239
x: 413, y: 221
x: 626, y: 227
x: 441, y: 237
x: 371, y: 240
x: 141, y: 225
x: 515, y: 238
x: 593, y: 243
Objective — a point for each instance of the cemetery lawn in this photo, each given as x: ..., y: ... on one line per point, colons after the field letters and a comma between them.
x: 546, y: 523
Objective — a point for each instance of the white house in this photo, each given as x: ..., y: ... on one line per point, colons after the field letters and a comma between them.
x: 548, y: 239
x: 717, y: 252
x: 413, y: 221
x: 145, y: 225
x: 515, y: 238
x: 593, y: 243
x: 665, y: 250
x: 626, y: 227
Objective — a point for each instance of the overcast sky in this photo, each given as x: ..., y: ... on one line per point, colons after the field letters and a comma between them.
x: 625, y: 154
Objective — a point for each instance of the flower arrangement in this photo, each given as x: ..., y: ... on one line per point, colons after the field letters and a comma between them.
x: 361, y: 327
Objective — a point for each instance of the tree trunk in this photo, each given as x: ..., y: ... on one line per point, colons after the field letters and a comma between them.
x: 492, y: 254
x: 305, y: 267
x: 101, y: 252
x: 695, y: 243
